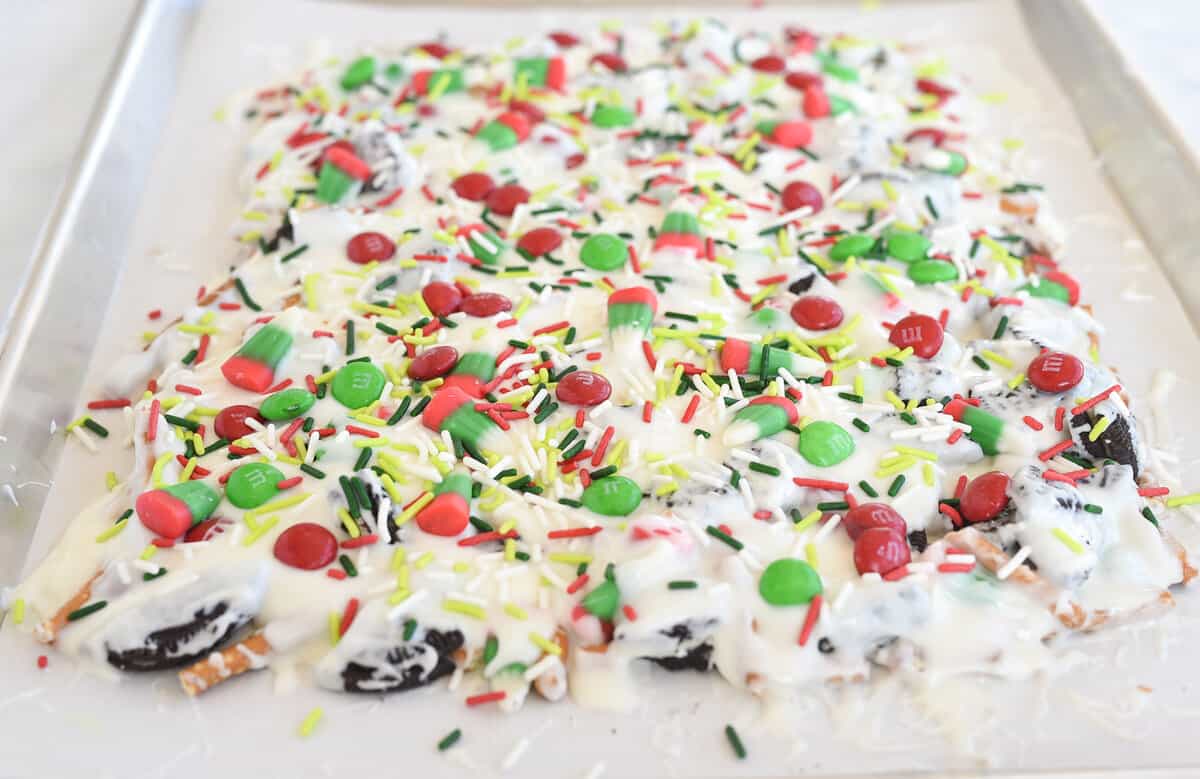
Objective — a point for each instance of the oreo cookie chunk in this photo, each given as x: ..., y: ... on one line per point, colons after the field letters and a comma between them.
x: 163, y: 625
x: 405, y: 666
x: 1119, y: 440
x: 376, y: 655
x: 379, y: 504
x: 391, y: 166
x: 693, y: 650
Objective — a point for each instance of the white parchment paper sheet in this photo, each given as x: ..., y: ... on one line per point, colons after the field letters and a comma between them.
x: 1123, y: 702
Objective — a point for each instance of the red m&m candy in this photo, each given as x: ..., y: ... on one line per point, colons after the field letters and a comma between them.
x: 443, y: 299
x: 540, y: 241
x: 923, y: 333
x: 535, y: 114
x: 1055, y: 371
x: 770, y: 63
x: 433, y: 362
x: 483, y: 304
x: 800, y: 80
x: 815, y: 312
x: 564, y: 39
x: 370, y: 247
x: 436, y: 49
x: 880, y: 550
x: 583, y: 388
x: 799, y: 194
x: 306, y: 546
x: 504, y: 200
x: 473, y: 186
x: 985, y: 496
x: 865, y: 516
x: 614, y: 62
x: 230, y: 423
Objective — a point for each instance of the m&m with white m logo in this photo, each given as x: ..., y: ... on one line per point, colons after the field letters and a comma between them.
x: 1055, y: 371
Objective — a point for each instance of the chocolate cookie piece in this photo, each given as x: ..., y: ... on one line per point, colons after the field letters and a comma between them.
x: 180, y: 644
x: 1116, y: 443
x: 693, y: 650
x: 402, y: 667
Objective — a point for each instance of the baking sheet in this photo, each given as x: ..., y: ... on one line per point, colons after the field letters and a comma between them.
x: 1095, y: 716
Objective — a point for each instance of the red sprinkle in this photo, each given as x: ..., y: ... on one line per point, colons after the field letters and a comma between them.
x: 962, y: 485
x: 602, y: 446
x: 954, y: 436
x: 575, y: 532
x: 578, y: 584
x: 188, y: 389
x: 201, y: 350
x: 563, y: 325
x: 1095, y: 399
x: 348, y: 616
x: 356, y: 430
x: 481, y: 538
x: 1055, y: 450
x: 690, y: 411
x: 821, y: 484
x: 1060, y: 414
x: 648, y: 412
x: 155, y: 314
x: 279, y: 387
x: 810, y: 620
x: 101, y: 404
x: 648, y: 351
x: 487, y: 697
x: 152, y: 424
x: 629, y: 612
x: 43, y: 661
x: 336, y: 573
x: 951, y: 512
x: 287, y: 484
x: 1153, y: 492
x: 955, y: 567
x: 1033, y: 423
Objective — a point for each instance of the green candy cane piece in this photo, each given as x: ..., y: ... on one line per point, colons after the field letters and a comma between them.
x: 602, y: 602
x: 459, y: 483
x: 287, y: 404
x: 609, y: 116
x: 358, y: 384
x: 478, y: 364
x: 269, y: 345
x: 200, y: 498
x: 333, y: 183
x: 253, y: 484
x: 498, y: 136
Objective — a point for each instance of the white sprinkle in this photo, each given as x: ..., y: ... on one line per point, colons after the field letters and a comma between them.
x: 84, y: 439
x: 1007, y: 569
x: 827, y: 528
x: 515, y: 755
x: 540, y: 667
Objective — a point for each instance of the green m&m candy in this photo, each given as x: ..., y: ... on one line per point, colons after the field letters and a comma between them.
x: 856, y: 245
x: 613, y: 496
x: 286, y: 404
x: 825, y: 444
x: 604, y: 252
x: 358, y: 384
x: 789, y: 582
x: 769, y: 318
x: 252, y: 485
x: 360, y: 72
x: 609, y: 116
x: 602, y: 602
x: 907, y: 245
x: 932, y: 271
x: 1051, y: 290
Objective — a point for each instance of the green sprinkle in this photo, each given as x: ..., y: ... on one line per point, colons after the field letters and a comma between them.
x: 861, y: 425
x: 449, y: 740
x: 186, y: 424
x: 410, y: 629
x: 735, y: 741
x: 723, y: 537
x: 600, y: 473
x: 682, y: 584
x: 84, y: 611
x: 421, y: 404
x: 896, y: 486
x: 866, y: 487
x: 1148, y: 514
x: 349, y: 337
x: 850, y: 396
x: 982, y: 363
x: 770, y: 470
x: 249, y: 301
x: 348, y: 565
x: 364, y: 457
x: 1001, y: 326
x: 311, y: 471
x: 1092, y: 508
x: 932, y: 209
x: 191, y: 355
x: 833, y: 505
x: 909, y: 418
x: 702, y: 433
x: 294, y: 253
x: 95, y: 427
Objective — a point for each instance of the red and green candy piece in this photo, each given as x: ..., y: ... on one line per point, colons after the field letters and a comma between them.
x: 443, y: 81
x: 680, y: 230
x: 631, y: 310
x: 253, y: 366
x: 763, y: 417
x: 450, y: 510
x: 791, y: 134
x: 743, y: 357
x: 340, y: 172
x: 541, y: 72
x: 472, y: 373
x: 505, y: 131
x: 453, y: 410
x: 171, y: 511
x: 485, y: 245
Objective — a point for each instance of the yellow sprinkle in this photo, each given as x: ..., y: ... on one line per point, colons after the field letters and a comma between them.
x: 547, y: 646
x: 399, y: 596
x: 570, y: 558
x: 858, y: 386
x: 412, y: 510
x: 259, y: 531
x: 807, y: 521
x: 1015, y: 381
x: 279, y: 505
x: 810, y: 554
x: 1098, y: 429
x: 399, y: 558
x: 310, y: 722
x: 464, y: 608
x: 156, y: 477
x: 310, y: 290
x: 424, y: 560
x: 110, y: 481
x: 112, y: 531
x: 927, y: 473
x: 149, y: 552
x: 1000, y: 359
x: 1183, y: 500
x: 348, y: 523
x: 667, y: 488
x: 18, y: 611
x: 904, y: 464
x: 1067, y: 540
x: 510, y: 550
x: 515, y: 611
x: 188, y: 470
x: 923, y: 454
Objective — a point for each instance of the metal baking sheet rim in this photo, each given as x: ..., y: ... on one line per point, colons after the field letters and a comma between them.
x: 56, y: 317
